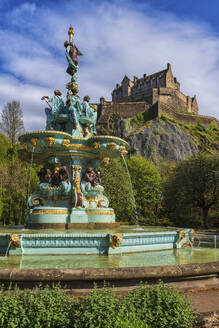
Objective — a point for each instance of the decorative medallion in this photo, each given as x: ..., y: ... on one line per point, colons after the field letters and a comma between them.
x: 14, y: 241
x: 34, y: 142
x: 115, y: 240
x: 111, y: 145
x: 50, y: 141
x: 121, y: 149
x: 96, y: 145
x: 65, y: 142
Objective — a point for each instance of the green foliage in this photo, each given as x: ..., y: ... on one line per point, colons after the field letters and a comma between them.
x: 118, y: 190
x: 146, y: 182
x: 193, y: 185
x: 205, y: 137
x: 17, y: 181
x: 42, y: 307
x: 4, y: 146
x: 213, y: 126
x: 138, y: 119
x: 160, y: 307
x: 145, y: 307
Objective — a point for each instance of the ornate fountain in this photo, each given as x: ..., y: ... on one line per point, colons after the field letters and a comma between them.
x: 70, y: 195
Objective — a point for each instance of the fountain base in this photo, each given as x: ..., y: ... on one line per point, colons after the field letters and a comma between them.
x: 45, y: 217
x: 76, y: 226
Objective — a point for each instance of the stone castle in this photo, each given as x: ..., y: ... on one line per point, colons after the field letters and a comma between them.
x: 153, y: 95
x: 161, y: 86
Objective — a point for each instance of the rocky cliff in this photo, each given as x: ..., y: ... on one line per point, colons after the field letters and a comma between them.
x: 165, y: 139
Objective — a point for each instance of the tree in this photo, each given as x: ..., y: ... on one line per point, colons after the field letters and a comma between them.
x: 12, y: 121
x: 17, y: 181
x: 146, y: 182
x: 193, y: 185
x: 118, y: 190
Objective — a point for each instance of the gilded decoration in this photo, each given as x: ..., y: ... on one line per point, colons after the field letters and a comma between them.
x: 182, y: 235
x: 76, y: 180
x: 95, y: 107
x: 34, y: 142
x: 111, y: 145
x: 96, y: 138
x: 90, y: 200
x: 71, y: 33
x: 65, y: 142
x: 49, y: 211
x: 96, y: 145
x: 121, y: 149
x: 100, y: 212
x: 50, y: 141
x: 115, y: 240
x: 106, y: 161
x: 51, y: 188
x: 14, y: 241
x: 79, y: 147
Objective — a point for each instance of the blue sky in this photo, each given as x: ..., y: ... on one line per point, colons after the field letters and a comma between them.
x: 116, y: 38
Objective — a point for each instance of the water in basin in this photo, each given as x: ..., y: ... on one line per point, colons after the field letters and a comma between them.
x: 167, y: 257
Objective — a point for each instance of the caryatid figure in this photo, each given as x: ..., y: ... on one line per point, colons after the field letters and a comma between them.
x: 57, y: 107
x: 74, y: 107
x: 90, y: 112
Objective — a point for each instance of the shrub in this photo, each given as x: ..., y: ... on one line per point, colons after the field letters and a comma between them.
x: 145, y: 307
x: 38, y: 308
x: 160, y: 307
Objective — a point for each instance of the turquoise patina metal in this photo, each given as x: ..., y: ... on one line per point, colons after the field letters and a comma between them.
x: 99, y: 243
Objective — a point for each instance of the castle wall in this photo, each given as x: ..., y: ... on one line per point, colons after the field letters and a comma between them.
x: 176, y: 99
x: 123, y: 110
x: 182, y: 117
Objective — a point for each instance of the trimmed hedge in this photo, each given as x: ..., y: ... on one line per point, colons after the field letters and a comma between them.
x: 145, y: 307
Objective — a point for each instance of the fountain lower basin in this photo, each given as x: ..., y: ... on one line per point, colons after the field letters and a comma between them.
x: 96, y: 243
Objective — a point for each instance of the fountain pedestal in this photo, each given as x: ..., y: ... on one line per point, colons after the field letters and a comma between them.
x: 76, y: 200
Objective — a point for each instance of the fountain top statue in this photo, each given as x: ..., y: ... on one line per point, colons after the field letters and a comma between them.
x: 73, y: 116
x: 72, y: 54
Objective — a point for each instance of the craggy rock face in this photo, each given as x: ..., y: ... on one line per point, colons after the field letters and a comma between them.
x: 161, y: 140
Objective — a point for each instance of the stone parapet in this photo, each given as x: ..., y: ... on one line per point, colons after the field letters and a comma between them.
x: 183, y: 117
x: 80, y: 281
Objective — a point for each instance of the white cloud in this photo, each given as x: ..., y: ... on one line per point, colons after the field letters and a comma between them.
x: 116, y: 40
x: 20, y: 14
